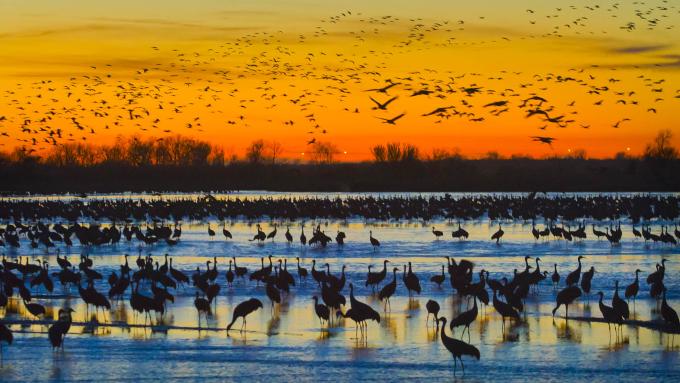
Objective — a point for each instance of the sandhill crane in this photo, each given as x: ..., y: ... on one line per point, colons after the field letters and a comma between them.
x: 437, y: 233
x: 586, y: 280
x: 260, y: 235
x: 319, y: 276
x: 374, y: 279
x: 575, y: 276
x: 354, y: 316
x: 244, y: 309
x: 302, y: 272
x: 35, y: 309
x: 388, y: 290
x: 411, y: 280
x: 636, y: 233
x: 272, y: 234
x: 609, y: 314
x: 57, y: 332
x: 566, y: 297
x: 340, y: 237
x: 498, y: 234
x: 669, y: 315
x: 273, y: 293
x: 364, y: 311
x: 230, y: 275
x: 457, y: 348
x: 288, y: 235
x: 598, y: 233
x: 658, y: 275
x: 432, y: 309
x: 633, y: 288
x: 460, y: 233
x: 225, y: 232
x: 555, y: 277
x: 465, y: 319
x: 211, y: 232
x: 239, y: 271
x: 504, y: 309
x: 321, y: 311
x: 303, y: 238
x: 203, y: 307
x: 439, y: 279
x: 374, y: 242
x: 535, y: 231
x: 619, y: 305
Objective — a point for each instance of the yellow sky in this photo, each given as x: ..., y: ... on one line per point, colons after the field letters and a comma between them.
x: 234, y: 72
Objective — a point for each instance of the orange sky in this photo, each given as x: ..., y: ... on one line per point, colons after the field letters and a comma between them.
x: 237, y: 72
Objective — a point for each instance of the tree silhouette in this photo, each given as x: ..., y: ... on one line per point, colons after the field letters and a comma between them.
x: 661, y: 148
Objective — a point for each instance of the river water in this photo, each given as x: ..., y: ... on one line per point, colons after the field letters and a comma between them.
x: 286, y: 342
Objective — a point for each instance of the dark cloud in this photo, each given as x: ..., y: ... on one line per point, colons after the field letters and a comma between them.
x: 668, y: 61
x: 633, y: 49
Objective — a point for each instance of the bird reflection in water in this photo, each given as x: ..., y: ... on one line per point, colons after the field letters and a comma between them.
x: 566, y: 331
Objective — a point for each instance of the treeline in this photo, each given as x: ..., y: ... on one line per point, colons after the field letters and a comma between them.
x: 442, y: 175
x: 132, y: 151
x: 184, y: 164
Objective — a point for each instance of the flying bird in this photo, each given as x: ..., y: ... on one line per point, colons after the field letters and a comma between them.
x: 393, y: 120
x: 544, y: 140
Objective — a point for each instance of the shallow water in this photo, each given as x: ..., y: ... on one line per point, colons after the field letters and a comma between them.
x: 286, y: 342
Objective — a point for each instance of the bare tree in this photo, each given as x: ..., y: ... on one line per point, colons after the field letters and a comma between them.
x: 379, y: 153
x: 661, y: 148
x: 255, y: 152
x: 274, y: 148
x: 396, y: 152
x: 324, y: 152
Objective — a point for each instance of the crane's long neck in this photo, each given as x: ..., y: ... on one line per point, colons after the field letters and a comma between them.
x: 443, y: 328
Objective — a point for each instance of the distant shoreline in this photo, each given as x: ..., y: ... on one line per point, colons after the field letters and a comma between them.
x: 450, y: 175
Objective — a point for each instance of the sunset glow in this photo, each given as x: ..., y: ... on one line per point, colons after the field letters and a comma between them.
x: 233, y: 73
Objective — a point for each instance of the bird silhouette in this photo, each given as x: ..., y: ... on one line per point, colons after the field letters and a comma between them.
x: 57, y: 332
x: 498, y: 234
x: 321, y: 310
x: 432, y: 308
x: 566, y: 297
x: 374, y: 242
x: 244, y: 309
x: 457, y: 348
x: 388, y: 290
x: 465, y: 319
x: 609, y: 314
x: 574, y: 276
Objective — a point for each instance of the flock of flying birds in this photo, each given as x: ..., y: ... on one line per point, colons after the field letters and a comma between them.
x: 293, y: 77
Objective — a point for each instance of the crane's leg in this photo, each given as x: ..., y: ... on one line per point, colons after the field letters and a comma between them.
x: 461, y: 363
